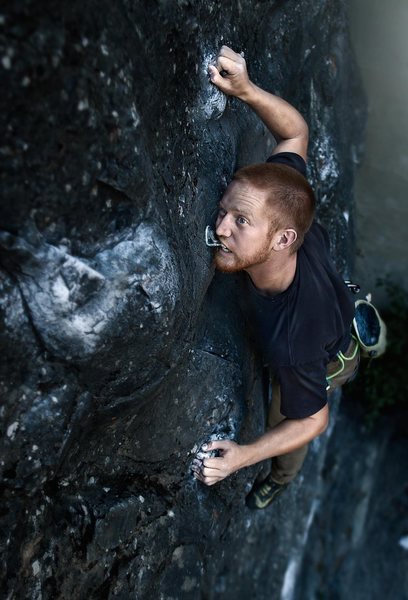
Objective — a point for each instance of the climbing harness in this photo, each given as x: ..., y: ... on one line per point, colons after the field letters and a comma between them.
x: 353, y: 287
x: 370, y: 333
x: 343, y: 360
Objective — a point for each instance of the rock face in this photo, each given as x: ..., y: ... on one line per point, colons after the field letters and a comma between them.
x: 120, y: 349
x: 357, y: 545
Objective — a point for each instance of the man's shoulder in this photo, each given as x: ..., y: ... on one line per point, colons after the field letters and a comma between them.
x: 290, y: 159
x: 317, y: 235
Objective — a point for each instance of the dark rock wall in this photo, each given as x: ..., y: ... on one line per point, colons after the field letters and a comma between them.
x: 357, y: 545
x: 120, y: 349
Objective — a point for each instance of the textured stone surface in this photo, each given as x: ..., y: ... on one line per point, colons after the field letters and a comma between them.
x: 120, y: 350
x: 358, y: 540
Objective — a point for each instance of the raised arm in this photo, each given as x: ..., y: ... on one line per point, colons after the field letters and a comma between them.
x: 284, y: 122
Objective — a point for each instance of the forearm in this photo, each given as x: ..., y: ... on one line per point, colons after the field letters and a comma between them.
x: 289, y: 435
x: 285, y: 437
x: 283, y: 120
x: 280, y: 117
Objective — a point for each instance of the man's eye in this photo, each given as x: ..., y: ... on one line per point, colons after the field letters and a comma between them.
x: 242, y: 221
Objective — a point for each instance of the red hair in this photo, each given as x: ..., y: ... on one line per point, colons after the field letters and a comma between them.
x: 290, y: 197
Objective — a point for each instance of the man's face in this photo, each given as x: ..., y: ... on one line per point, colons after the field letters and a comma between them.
x: 243, y: 225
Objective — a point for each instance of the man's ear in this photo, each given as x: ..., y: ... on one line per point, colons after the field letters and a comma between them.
x: 285, y: 238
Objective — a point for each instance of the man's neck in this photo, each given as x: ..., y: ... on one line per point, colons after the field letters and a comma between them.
x: 274, y: 275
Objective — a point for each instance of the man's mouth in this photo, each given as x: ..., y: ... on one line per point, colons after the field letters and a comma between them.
x: 213, y: 241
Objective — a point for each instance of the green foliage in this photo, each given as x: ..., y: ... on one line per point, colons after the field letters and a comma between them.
x: 383, y: 382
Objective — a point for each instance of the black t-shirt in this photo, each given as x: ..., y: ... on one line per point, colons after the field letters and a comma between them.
x: 301, y: 329
x: 290, y: 159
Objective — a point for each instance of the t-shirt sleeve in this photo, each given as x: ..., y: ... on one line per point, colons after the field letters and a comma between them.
x: 291, y: 159
x: 303, y: 389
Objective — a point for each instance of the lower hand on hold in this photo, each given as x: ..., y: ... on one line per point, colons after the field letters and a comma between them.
x: 213, y: 470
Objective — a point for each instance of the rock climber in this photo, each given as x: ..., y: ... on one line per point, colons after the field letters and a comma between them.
x: 298, y: 309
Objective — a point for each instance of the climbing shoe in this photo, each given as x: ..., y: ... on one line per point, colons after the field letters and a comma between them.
x: 262, y: 494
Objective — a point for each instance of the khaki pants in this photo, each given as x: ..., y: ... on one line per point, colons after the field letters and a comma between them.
x: 339, y: 371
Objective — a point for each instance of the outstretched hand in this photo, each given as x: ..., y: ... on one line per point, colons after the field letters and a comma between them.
x: 230, y: 459
x: 234, y: 79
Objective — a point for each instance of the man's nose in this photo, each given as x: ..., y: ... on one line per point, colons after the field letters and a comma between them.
x: 223, y: 227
